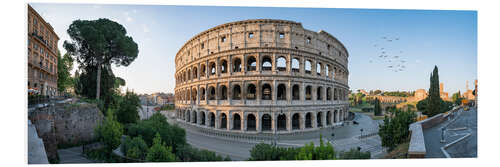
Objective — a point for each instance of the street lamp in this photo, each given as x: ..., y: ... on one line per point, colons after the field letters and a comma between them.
x: 361, y: 135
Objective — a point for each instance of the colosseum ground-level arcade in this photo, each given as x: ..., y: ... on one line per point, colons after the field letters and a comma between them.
x: 264, y: 88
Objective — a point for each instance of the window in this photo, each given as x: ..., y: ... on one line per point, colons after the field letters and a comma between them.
x: 328, y: 47
x: 202, y: 45
x: 250, y: 35
x: 223, y: 39
x: 308, y: 40
x: 282, y: 35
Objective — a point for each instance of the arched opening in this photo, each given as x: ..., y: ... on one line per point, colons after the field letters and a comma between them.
x: 295, y: 92
x: 308, y: 120
x: 281, y: 64
x: 189, y: 74
x: 223, y: 92
x: 251, y: 122
x: 282, y: 122
x: 202, y: 93
x: 318, y: 119
x: 195, y: 117
x: 295, y: 65
x: 211, y: 95
x: 223, y: 121
x: 236, y: 122
x: 328, y: 118
x: 223, y: 66
x: 203, y: 70
x: 308, y: 93
x: 296, y: 121
x: 281, y: 92
x: 212, y: 119
x: 236, y: 92
x: 327, y: 70
x: 212, y: 68
x: 335, y: 116
x: 188, y: 118
x: 308, y: 67
x: 251, y: 90
x: 237, y: 65
x: 335, y: 96
x: 319, y: 67
x: 251, y: 64
x: 266, y: 122
x: 319, y: 93
x: 266, y: 92
x: 328, y: 93
x: 195, y: 72
x: 194, y: 94
x: 202, y: 118
x: 267, y: 63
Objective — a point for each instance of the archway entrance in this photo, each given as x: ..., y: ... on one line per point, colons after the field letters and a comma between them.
x: 266, y: 122
x: 223, y: 121
x: 212, y: 119
x: 282, y: 122
x: 251, y: 125
x: 202, y: 118
x: 295, y: 121
x: 318, y: 119
x: 308, y: 120
x: 236, y: 122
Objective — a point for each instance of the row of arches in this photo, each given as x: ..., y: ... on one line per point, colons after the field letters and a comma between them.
x: 263, y: 62
x: 265, y: 92
x: 255, y: 121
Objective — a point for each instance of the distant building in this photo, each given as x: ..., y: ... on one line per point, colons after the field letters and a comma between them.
x: 364, y: 92
x: 442, y: 93
x: 420, y: 94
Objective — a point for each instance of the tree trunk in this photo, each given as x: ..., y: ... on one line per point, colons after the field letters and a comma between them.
x: 98, y: 91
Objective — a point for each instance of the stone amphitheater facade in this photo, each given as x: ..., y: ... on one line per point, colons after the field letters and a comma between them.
x: 262, y: 77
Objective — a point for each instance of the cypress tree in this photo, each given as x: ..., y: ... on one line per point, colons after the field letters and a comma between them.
x: 434, y: 99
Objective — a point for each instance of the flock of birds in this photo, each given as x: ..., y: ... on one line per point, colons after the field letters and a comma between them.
x: 393, y: 59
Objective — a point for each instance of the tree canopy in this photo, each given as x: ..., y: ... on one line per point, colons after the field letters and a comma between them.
x: 96, y: 45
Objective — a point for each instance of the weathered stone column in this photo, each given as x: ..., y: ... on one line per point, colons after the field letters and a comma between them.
x: 314, y: 122
x: 244, y: 121
x: 302, y: 118
x: 217, y: 119
x: 229, y: 120
x: 207, y: 118
x: 323, y: 118
x: 258, y: 126
x: 288, y: 121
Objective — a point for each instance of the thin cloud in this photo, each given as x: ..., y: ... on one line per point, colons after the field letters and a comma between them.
x: 145, y: 28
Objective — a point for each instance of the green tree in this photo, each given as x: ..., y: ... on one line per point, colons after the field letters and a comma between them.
x: 158, y: 152
x: 322, y: 152
x: 98, y: 44
x: 457, y: 98
x: 395, y: 130
x: 434, y: 98
x: 110, y: 132
x: 422, y: 105
x: 128, y: 108
x: 64, y: 66
x: 378, y: 108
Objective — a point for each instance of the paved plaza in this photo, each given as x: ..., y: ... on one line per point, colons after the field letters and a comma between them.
x: 463, y: 127
x: 346, y: 137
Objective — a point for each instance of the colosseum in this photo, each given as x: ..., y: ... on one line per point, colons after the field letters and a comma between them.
x: 261, y: 76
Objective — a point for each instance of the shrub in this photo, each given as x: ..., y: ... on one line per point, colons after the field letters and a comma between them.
x: 109, y: 132
x: 355, y: 154
x: 158, y: 152
x: 395, y: 131
x: 135, y: 148
x: 127, y: 109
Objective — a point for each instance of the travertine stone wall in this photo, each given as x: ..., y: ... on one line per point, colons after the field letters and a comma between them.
x: 258, y: 76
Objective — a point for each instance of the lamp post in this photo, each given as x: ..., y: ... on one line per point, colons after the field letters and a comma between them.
x: 361, y: 133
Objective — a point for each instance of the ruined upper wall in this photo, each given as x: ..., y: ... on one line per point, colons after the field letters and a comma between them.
x: 261, y: 33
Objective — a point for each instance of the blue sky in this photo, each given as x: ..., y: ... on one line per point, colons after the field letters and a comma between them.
x: 426, y: 38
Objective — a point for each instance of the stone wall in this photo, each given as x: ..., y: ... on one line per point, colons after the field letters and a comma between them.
x: 65, y: 124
